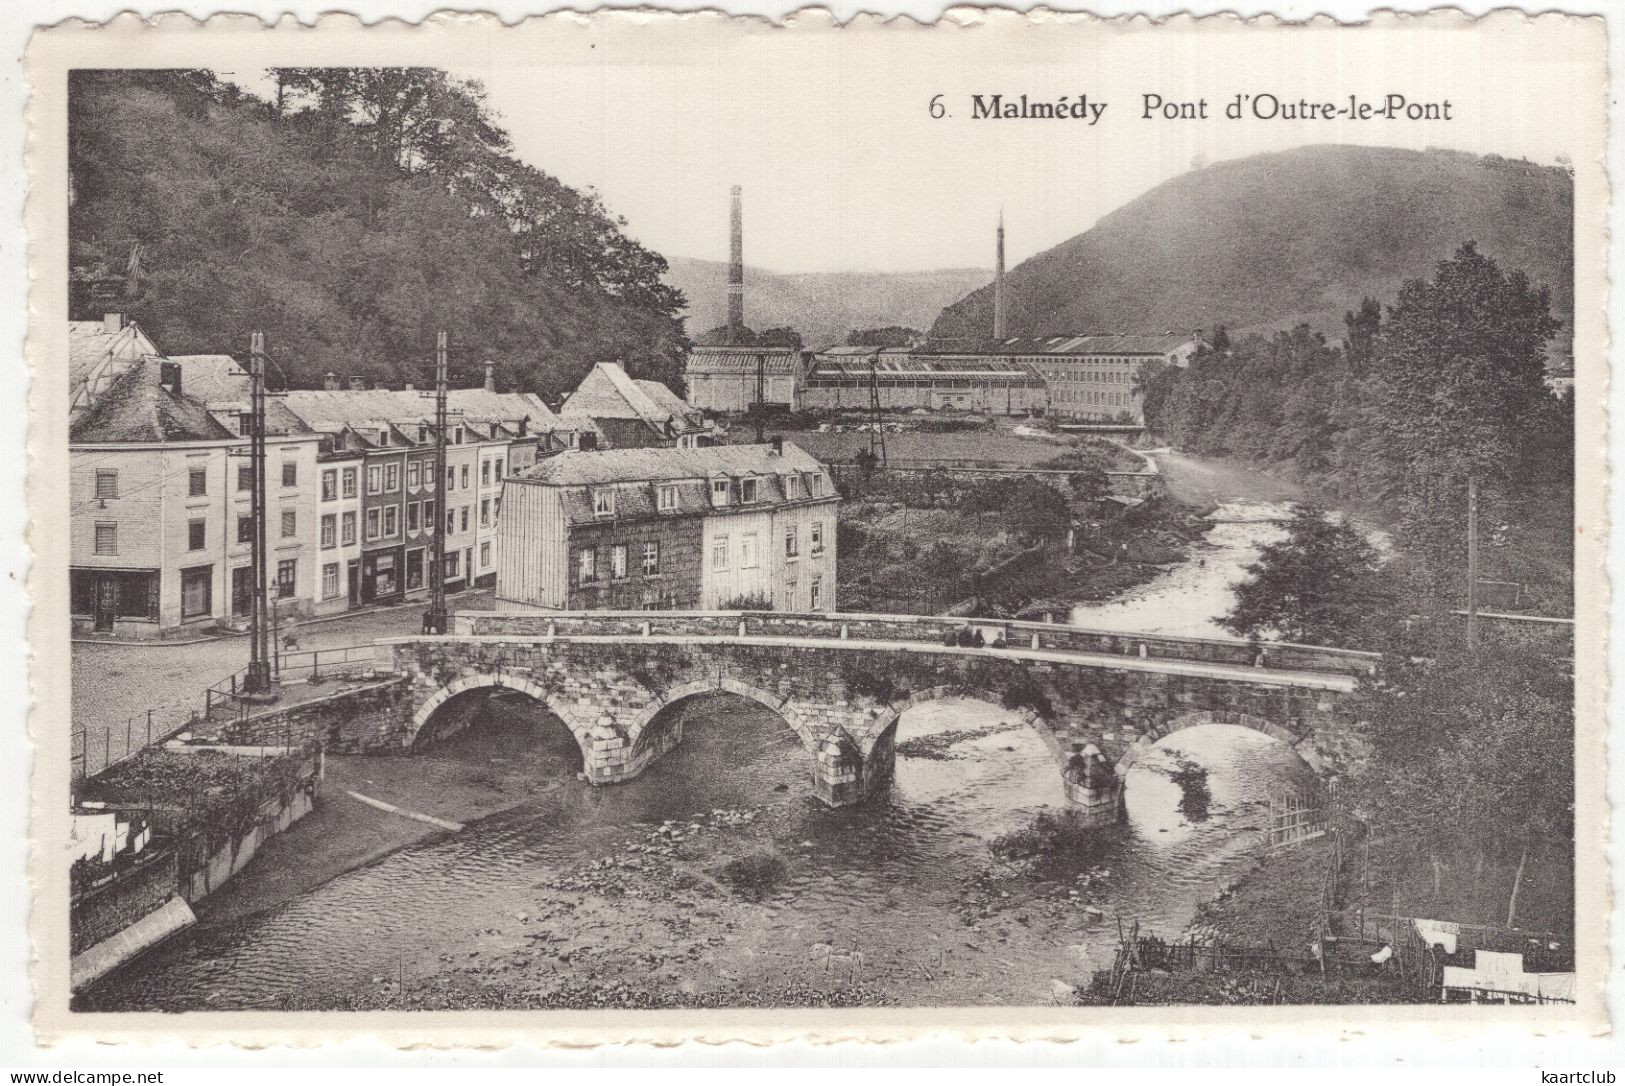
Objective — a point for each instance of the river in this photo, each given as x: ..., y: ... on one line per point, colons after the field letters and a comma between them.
x: 716, y: 878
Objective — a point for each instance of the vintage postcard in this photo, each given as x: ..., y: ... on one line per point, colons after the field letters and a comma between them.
x: 653, y: 527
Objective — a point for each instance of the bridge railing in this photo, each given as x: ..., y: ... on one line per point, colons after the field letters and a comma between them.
x: 914, y: 629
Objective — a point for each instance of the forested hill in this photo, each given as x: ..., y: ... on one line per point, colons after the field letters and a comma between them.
x: 349, y: 220
x: 824, y: 307
x: 1292, y: 237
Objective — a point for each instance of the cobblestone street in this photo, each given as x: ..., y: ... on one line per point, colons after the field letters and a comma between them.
x: 114, y: 684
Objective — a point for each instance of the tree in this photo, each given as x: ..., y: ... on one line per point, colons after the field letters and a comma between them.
x: 350, y: 220
x: 1364, y: 327
x: 894, y: 335
x: 1472, y: 756
x: 1456, y: 380
x: 780, y: 337
x: 1036, y: 511
x: 1319, y: 585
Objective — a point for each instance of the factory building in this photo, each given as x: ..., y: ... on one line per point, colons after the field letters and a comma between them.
x: 1093, y: 378
x: 900, y: 379
x: 727, y: 380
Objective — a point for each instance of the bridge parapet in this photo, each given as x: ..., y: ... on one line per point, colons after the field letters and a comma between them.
x: 918, y: 629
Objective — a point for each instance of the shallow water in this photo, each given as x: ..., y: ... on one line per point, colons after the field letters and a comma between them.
x: 1189, y: 599
x: 889, y: 878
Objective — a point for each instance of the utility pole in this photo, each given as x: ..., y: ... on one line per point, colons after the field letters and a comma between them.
x: 760, y: 406
x: 1472, y: 561
x: 258, y: 679
x: 877, y: 432
x: 434, y: 619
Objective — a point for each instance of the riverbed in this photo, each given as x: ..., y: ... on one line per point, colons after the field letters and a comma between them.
x: 716, y: 878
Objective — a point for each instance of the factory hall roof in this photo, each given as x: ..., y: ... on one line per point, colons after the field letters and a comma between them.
x: 598, y: 468
x: 736, y: 361
x: 902, y: 363
x: 1069, y: 343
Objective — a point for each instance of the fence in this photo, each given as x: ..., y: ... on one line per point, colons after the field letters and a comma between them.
x: 919, y: 629
x: 1298, y: 815
x: 92, y: 754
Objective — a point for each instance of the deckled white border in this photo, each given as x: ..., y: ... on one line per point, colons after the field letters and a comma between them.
x: 667, y: 1027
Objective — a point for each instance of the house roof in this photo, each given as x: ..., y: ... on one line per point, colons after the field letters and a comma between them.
x: 96, y: 358
x: 367, y: 406
x: 596, y: 468
x: 607, y: 392
x: 475, y: 407
x: 504, y: 407
x: 221, y: 384
x: 136, y: 407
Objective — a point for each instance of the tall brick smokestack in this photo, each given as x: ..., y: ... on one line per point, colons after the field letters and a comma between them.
x: 999, y: 302
x: 736, y: 264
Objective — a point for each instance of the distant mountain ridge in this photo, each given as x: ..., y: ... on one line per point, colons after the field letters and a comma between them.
x: 1294, y: 236
x: 822, y: 306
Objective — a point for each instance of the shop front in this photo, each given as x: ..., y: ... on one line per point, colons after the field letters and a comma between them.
x: 383, y: 575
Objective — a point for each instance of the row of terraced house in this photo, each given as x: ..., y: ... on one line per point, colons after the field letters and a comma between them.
x: 160, y: 482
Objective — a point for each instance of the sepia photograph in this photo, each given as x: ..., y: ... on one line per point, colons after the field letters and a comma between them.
x: 551, y: 533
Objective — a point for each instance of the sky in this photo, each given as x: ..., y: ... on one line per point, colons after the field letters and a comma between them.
x: 844, y: 169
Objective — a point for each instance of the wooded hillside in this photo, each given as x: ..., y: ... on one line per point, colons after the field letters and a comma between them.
x: 1275, y: 240
x: 350, y: 218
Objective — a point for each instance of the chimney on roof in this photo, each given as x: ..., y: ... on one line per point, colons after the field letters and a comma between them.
x: 588, y: 441
x: 357, y: 382
x: 169, y: 375
x: 776, y: 445
x: 113, y: 322
x: 490, y: 376
x: 330, y: 381
x: 736, y: 264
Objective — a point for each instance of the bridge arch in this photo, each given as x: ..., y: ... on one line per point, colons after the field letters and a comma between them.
x: 1305, y: 748
x: 486, y: 680
x: 887, y: 722
x: 637, y: 729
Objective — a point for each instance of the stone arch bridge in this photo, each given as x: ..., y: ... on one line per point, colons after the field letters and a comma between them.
x: 842, y: 681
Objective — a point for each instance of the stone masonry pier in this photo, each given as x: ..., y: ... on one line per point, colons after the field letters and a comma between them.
x: 842, y: 681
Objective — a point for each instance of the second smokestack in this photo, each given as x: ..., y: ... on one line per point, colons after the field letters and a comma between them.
x: 736, y: 263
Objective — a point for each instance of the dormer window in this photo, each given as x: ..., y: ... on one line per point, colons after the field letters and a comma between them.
x: 603, y: 502
x: 747, y: 491
x: 815, y: 483
x: 666, y: 498
x: 719, y: 491
x: 383, y: 438
x: 792, y: 487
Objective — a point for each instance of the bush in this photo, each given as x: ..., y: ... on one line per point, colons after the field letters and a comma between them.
x: 755, y: 876
x: 1054, y: 841
x: 751, y: 601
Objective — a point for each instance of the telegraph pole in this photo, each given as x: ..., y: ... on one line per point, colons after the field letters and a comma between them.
x: 434, y: 619
x: 877, y: 430
x: 761, y: 394
x: 1472, y: 561
x: 258, y: 680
